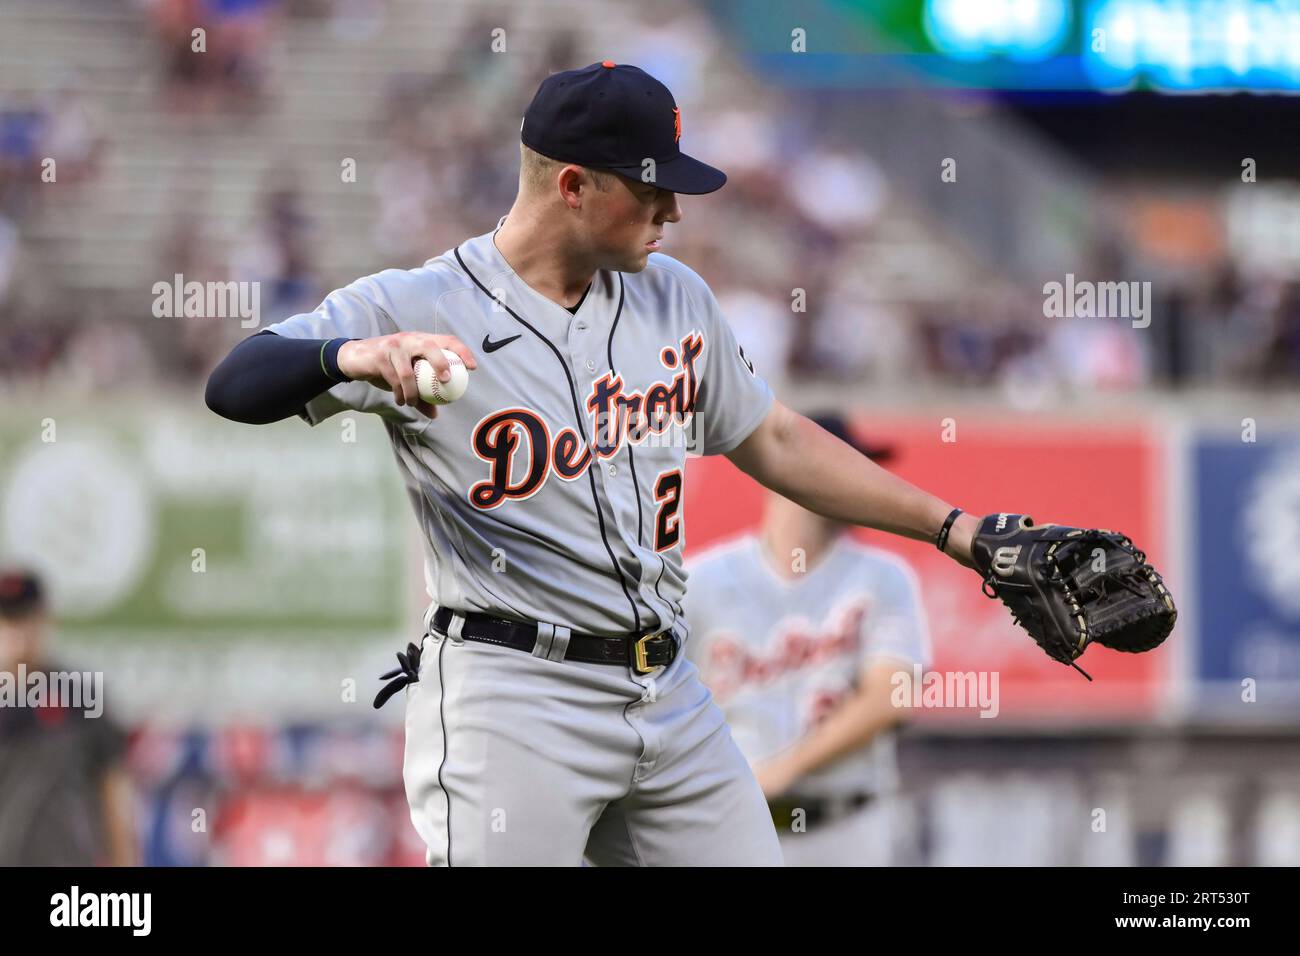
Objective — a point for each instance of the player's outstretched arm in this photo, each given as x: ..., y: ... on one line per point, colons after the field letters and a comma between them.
x: 797, y: 458
x: 268, y: 377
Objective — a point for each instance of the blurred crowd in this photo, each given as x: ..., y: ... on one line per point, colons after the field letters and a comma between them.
x: 235, y: 40
x: 64, y: 124
x: 792, y: 246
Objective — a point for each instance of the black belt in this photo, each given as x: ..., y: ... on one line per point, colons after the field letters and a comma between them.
x: 815, y: 810
x: 643, y: 654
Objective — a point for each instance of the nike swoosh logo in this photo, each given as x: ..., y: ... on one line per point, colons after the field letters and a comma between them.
x: 490, y: 346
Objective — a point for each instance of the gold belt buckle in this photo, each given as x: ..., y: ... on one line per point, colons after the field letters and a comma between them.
x: 641, y: 666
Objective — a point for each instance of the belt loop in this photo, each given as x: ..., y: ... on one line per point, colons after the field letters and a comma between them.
x: 559, y: 643
x: 455, y: 627
x: 650, y: 691
x: 545, y: 635
x: 428, y: 617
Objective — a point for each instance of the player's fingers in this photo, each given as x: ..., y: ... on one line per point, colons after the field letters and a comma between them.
x: 383, y: 374
x: 434, y: 356
x: 460, y: 348
x: 405, y: 391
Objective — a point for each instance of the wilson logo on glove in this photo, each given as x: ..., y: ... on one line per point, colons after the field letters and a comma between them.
x: 1004, y: 561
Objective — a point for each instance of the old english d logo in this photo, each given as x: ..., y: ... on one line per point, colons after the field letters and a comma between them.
x: 677, y: 124
x: 1004, y: 560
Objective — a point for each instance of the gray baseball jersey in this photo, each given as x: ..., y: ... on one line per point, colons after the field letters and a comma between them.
x: 779, y: 653
x: 552, y: 490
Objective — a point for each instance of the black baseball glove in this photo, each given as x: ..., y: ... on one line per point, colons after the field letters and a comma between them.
x: 1069, y: 587
x: 406, y: 672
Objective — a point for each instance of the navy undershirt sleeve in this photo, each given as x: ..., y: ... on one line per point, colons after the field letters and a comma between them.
x: 268, y: 377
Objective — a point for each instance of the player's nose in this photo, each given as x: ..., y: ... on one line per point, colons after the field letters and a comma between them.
x: 669, y: 209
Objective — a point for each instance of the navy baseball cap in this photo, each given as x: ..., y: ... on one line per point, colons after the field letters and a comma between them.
x: 614, y: 116
x: 837, y: 426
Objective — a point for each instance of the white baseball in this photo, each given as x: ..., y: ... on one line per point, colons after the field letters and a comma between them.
x: 441, y: 393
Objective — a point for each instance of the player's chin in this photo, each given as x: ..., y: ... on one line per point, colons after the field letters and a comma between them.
x: 636, y: 261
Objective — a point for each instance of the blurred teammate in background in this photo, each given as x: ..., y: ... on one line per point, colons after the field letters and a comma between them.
x: 799, y: 631
x: 65, y: 798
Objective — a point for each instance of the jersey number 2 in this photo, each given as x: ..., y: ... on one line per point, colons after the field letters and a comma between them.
x: 668, y: 526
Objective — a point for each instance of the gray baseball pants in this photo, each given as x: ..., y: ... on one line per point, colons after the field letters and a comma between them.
x: 516, y: 760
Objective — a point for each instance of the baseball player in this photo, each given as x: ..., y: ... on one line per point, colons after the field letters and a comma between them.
x: 803, y: 634
x: 550, y: 711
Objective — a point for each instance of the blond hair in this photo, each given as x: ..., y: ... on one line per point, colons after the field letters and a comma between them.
x: 537, y: 173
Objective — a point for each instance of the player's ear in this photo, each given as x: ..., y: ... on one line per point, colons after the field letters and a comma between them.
x: 571, y: 180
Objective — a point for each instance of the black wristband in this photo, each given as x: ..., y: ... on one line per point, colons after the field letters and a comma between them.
x: 329, y: 359
x: 941, y: 540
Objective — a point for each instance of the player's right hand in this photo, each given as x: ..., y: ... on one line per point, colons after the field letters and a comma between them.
x: 387, y: 362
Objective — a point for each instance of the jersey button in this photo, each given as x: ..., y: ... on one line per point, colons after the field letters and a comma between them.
x: 613, y: 470
x: 591, y: 366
